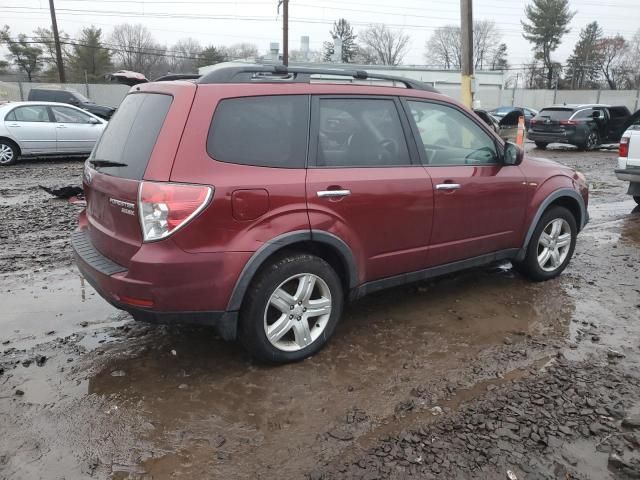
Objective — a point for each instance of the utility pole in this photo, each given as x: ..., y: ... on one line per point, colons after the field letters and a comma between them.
x: 56, y: 39
x: 466, y: 14
x: 285, y: 31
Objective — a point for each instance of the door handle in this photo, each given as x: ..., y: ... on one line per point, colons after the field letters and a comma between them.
x: 61, y: 126
x: 333, y: 193
x: 14, y: 125
x: 448, y: 186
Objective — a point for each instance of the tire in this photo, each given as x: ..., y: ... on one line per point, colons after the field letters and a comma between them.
x: 8, y: 152
x: 592, y: 142
x: 299, y: 336
x: 540, y: 269
x: 637, y: 199
x: 541, y: 145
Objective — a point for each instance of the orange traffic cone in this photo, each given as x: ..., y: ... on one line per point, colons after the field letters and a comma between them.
x: 521, y: 133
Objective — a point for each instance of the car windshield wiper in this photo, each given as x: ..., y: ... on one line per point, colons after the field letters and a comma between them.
x: 107, y: 163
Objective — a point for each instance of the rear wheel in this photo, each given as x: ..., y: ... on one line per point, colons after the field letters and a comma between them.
x: 541, y: 145
x: 291, y: 310
x: 551, y: 246
x: 8, y: 152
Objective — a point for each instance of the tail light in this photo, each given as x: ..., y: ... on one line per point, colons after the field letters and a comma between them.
x: 167, y: 207
x: 568, y: 122
x: 624, y: 147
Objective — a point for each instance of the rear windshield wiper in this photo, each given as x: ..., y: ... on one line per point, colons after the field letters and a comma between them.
x: 107, y: 163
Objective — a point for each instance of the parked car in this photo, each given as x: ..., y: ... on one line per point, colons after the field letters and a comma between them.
x: 585, y: 126
x: 629, y: 157
x: 259, y: 199
x: 527, y: 113
x: 489, y: 119
x: 45, y: 128
x: 67, y: 95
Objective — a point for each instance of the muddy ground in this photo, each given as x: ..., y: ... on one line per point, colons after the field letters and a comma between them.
x: 476, y: 375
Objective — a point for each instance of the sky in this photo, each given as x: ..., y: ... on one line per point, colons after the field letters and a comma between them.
x: 224, y: 22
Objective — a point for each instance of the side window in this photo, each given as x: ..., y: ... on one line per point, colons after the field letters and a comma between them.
x: 587, y: 113
x: 261, y: 131
x: 69, y: 115
x: 36, y: 113
x: 11, y: 116
x: 360, y: 133
x: 449, y: 137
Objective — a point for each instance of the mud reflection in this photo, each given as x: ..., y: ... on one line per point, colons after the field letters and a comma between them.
x: 385, y: 344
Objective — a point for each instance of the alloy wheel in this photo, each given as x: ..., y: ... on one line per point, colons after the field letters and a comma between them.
x: 6, y: 153
x: 297, y: 312
x: 554, y: 244
x: 592, y: 141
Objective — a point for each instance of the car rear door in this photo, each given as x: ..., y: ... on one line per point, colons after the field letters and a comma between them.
x: 479, y: 203
x: 31, y: 125
x: 365, y: 185
x: 75, y: 132
x: 618, y: 117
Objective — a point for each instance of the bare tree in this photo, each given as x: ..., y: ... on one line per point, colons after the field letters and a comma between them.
x: 134, y: 48
x: 26, y: 56
x: 241, y: 51
x: 612, y: 55
x: 389, y: 45
x: 44, y: 37
x: 444, y: 47
x: 184, y: 56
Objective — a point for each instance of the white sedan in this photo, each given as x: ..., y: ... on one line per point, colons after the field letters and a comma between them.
x: 629, y: 157
x: 46, y: 128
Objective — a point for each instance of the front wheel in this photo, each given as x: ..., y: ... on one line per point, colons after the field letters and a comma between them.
x: 551, y: 246
x: 291, y: 309
x: 541, y: 145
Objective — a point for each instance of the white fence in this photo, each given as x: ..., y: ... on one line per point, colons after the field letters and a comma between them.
x: 490, y: 96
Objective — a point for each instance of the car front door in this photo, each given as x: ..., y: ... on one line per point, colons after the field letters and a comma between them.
x: 365, y: 184
x: 76, y: 132
x: 33, y: 128
x: 479, y: 203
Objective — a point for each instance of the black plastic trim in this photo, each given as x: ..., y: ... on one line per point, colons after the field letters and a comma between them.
x: 411, y: 277
x: 83, y: 247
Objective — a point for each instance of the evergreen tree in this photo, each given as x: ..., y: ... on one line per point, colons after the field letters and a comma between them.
x: 548, y: 22
x: 211, y: 55
x: 583, y: 63
x: 89, y: 55
x: 342, y: 30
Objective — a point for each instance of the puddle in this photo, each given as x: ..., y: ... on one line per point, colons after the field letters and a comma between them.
x: 54, y: 302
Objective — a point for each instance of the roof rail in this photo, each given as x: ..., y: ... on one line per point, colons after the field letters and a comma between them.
x: 282, y: 73
x: 177, y: 76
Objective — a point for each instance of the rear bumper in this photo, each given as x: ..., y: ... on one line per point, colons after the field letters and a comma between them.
x: 573, y: 138
x: 164, y: 284
x: 628, y: 174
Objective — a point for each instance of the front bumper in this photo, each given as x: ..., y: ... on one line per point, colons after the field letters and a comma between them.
x: 179, y: 287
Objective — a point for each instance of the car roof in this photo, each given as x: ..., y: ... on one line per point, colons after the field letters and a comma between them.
x: 11, y: 105
x: 576, y: 106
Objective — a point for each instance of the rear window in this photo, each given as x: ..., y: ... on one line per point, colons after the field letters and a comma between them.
x: 131, y: 134
x: 555, y: 113
x: 261, y: 131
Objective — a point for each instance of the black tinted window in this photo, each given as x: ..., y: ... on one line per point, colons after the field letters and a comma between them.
x: 131, y: 134
x: 261, y: 131
x: 555, y: 114
x: 360, y: 133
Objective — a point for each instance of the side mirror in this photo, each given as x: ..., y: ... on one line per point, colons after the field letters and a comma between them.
x: 94, y: 121
x: 512, y: 154
x: 596, y: 114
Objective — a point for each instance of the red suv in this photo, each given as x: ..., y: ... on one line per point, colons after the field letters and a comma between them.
x: 258, y: 199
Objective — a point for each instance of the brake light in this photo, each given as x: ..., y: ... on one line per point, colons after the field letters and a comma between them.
x: 568, y: 122
x: 167, y: 207
x: 624, y: 147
